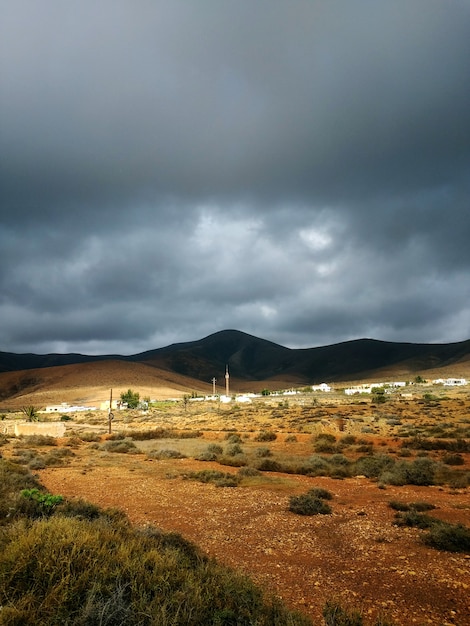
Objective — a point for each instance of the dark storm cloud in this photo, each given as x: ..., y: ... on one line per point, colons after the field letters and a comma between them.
x: 299, y: 171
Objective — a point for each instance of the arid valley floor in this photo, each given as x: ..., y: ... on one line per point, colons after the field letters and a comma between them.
x: 356, y: 555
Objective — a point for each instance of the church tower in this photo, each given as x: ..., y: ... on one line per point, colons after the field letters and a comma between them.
x: 227, y: 385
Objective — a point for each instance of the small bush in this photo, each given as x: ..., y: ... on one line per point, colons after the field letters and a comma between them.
x: 269, y: 465
x: 291, y: 439
x: 308, y: 504
x: 324, y: 446
x: 320, y: 492
x: 263, y: 452
x: 413, y: 519
x: 239, y: 460
x: 90, y: 437
x: 266, y: 435
x: 120, y: 446
x: 233, y: 449
x: 347, y: 440
x: 39, y: 440
x: 248, y: 472
x: 220, y: 479
x: 233, y: 438
x: 166, y: 453
x: 449, y: 537
x: 453, y: 459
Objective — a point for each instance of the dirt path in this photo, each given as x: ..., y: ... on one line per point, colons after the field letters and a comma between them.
x: 355, y: 555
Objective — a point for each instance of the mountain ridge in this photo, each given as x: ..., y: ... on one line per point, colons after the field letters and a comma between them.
x: 253, y: 358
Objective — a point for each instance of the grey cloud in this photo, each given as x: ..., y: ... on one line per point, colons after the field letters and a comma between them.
x: 302, y: 174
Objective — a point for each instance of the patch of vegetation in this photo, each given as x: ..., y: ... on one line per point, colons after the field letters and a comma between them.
x: 219, y: 479
x: 270, y: 465
x: 233, y: 438
x: 210, y: 453
x: 163, y: 433
x: 336, y: 615
x: 31, y: 413
x: 123, y: 446
x: 90, y: 437
x: 266, y: 435
x: 441, y: 535
x: 248, y: 472
x: 37, y: 441
x: 452, y: 458
x: 263, y: 452
x: 325, y: 443
x: 112, y: 574
x: 233, y: 449
x: 166, y: 453
x: 449, y: 537
x: 311, y: 503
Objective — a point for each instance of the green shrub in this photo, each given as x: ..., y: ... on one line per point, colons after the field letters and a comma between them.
x: 373, y: 466
x: 89, y: 437
x: 452, y: 458
x: 413, y: 519
x: 164, y: 433
x: 320, y: 492
x: 233, y: 438
x: 166, y: 453
x: 347, y: 440
x: 74, y: 571
x: 449, y: 537
x: 308, y: 504
x: 263, y: 452
x: 38, y: 440
x: 266, y: 435
x: 269, y: 465
x: 38, y: 503
x: 210, y: 453
x: 220, y: 479
x: 291, y: 439
x: 248, y: 472
x: 233, y: 449
x: 123, y: 446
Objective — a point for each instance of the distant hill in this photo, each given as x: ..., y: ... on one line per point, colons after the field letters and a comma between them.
x: 253, y: 359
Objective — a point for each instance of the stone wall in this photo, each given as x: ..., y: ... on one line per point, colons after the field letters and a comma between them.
x: 51, y: 429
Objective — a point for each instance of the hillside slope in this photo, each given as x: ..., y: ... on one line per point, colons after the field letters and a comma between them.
x: 191, y: 366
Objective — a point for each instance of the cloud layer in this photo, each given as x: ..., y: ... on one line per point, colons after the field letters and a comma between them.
x: 297, y: 171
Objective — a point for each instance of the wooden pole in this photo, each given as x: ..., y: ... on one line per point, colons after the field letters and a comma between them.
x: 110, y: 414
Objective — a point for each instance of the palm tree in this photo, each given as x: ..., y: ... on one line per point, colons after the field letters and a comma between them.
x: 31, y: 413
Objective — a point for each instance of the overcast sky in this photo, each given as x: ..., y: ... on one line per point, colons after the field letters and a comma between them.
x: 298, y: 170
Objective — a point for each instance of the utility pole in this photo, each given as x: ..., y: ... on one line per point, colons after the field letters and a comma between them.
x: 110, y: 414
x: 214, y: 380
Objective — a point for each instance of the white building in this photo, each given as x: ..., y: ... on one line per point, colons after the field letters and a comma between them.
x: 321, y: 387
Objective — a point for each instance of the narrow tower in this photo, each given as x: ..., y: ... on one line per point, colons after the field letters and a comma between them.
x: 227, y: 386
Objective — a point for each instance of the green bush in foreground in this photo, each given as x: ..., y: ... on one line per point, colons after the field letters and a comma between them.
x: 311, y: 503
x: 71, y: 571
x: 441, y: 535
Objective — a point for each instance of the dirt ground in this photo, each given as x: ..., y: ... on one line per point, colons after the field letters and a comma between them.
x: 356, y: 555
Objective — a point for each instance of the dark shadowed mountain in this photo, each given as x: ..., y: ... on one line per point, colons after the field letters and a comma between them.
x: 253, y: 359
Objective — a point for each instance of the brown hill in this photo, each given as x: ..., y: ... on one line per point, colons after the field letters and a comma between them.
x: 253, y: 363
x: 89, y: 384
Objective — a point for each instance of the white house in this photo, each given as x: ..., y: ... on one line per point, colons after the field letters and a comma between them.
x: 455, y: 382
x: 321, y: 387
